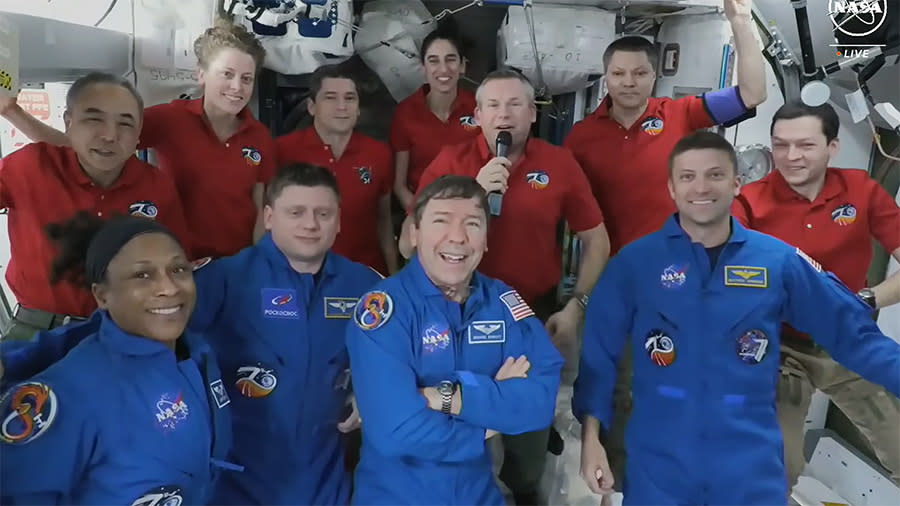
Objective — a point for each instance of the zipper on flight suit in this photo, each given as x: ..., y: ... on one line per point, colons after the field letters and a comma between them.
x: 705, y: 293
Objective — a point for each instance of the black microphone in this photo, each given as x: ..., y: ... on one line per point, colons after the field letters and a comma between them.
x: 495, y: 198
x: 504, y: 139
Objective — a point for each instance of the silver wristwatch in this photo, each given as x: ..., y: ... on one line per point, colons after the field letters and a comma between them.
x: 446, y: 389
x: 582, y: 300
x: 867, y: 296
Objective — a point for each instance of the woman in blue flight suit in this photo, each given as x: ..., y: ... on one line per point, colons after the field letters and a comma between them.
x: 134, y: 414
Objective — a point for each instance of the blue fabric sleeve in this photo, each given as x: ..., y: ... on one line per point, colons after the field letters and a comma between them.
x: 25, y: 359
x: 516, y: 405
x: 821, y: 306
x: 212, y: 291
x: 607, y: 324
x: 725, y: 106
x: 47, y: 447
x: 396, y: 418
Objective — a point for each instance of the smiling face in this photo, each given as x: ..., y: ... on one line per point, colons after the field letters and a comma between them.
x: 149, y: 288
x: 450, y: 239
x: 443, y: 66
x: 103, y: 124
x: 336, y: 106
x: 227, y: 80
x: 801, y: 150
x: 505, y: 105
x: 703, y: 184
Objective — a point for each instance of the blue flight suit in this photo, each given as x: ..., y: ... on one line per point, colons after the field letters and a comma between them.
x: 119, y: 420
x: 705, y: 343
x: 409, y: 336
x: 279, y: 338
x: 23, y: 359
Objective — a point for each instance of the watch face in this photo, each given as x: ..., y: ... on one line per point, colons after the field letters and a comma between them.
x: 867, y: 296
x: 445, y: 388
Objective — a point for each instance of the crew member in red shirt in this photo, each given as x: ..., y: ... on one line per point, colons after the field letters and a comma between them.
x: 361, y: 165
x: 624, y: 144
x: 42, y: 185
x: 218, y: 154
x: 438, y: 114
x: 832, y: 215
x: 541, y: 185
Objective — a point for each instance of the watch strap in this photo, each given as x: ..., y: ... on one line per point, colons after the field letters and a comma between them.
x: 447, y: 391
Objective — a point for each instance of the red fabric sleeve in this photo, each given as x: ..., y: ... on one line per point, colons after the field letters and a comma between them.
x: 741, y: 210
x: 153, y: 126
x: 580, y: 207
x: 884, y: 218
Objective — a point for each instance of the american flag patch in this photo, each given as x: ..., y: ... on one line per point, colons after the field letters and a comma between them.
x: 815, y: 265
x: 516, y: 305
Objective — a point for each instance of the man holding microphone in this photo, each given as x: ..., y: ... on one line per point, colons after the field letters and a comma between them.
x: 532, y: 188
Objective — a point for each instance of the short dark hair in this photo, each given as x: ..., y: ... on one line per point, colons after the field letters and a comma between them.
x: 634, y: 44
x: 826, y: 114
x: 324, y: 72
x: 450, y: 187
x: 704, y: 140
x: 300, y: 174
x: 448, y: 30
x: 93, y: 78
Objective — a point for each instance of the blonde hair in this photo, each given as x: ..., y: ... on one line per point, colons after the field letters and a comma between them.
x: 505, y: 73
x: 223, y: 35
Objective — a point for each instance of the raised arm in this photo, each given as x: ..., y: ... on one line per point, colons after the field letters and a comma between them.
x: 32, y: 127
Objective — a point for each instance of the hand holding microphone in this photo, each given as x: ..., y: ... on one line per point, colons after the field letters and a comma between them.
x: 493, y: 176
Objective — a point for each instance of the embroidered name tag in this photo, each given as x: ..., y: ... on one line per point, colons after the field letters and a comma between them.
x: 340, y: 307
x: 741, y: 275
x: 485, y: 332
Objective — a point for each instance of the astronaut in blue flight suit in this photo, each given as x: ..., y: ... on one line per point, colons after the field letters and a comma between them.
x: 136, y: 413
x: 703, y: 300
x: 442, y: 359
x: 278, y: 311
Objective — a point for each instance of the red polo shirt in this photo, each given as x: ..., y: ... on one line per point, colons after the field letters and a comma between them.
x: 42, y: 184
x: 416, y: 129
x: 215, y: 179
x: 628, y: 168
x: 364, y: 173
x: 546, y: 185
x: 836, y: 229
